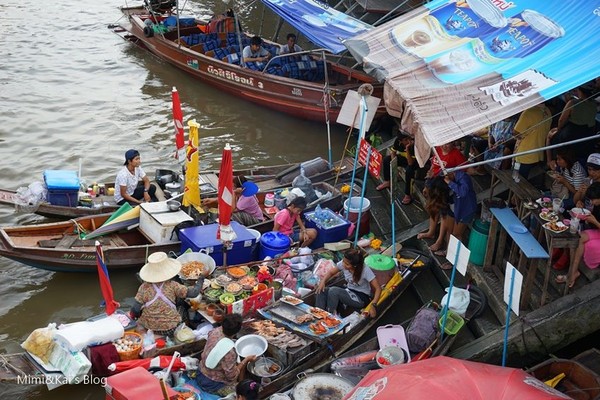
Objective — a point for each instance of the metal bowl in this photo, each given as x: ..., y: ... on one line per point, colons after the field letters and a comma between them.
x: 263, y: 366
x: 249, y: 345
x: 173, y: 205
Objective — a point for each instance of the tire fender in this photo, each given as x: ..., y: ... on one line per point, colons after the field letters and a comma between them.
x: 148, y: 31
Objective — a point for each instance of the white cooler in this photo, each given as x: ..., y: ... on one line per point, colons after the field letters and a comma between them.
x: 157, y: 221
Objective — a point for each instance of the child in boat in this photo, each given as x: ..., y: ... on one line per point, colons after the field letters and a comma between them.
x: 132, y: 184
x: 360, y: 283
x: 155, y: 303
x: 589, y: 241
x: 284, y: 222
x: 246, y: 209
x: 219, y: 371
x: 247, y: 390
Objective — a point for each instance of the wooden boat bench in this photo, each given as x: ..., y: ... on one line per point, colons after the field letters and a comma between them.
x: 530, y: 257
x: 69, y: 241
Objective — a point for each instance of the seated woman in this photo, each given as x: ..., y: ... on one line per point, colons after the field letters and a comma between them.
x: 570, y: 174
x: 284, y: 222
x: 246, y: 209
x: 219, y: 371
x: 156, y: 299
x: 360, y: 283
x: 589, y: 241
x: 438, y: 207
x: 132, y: 184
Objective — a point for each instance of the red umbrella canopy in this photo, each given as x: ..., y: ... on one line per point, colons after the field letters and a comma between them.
x: 451, y: 379
x: 178, y: 123
x: 105, y: 287
x: 226, y: 197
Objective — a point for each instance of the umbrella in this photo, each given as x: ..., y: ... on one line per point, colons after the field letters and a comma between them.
x: 178, y: 123
x: 147, y: 363
x: 107, y: 292
x: 191, y: 191
x: 124, y: 217
x: 226, y: 198
x: 451, y: 379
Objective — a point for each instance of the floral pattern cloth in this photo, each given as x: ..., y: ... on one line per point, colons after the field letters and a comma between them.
x: 160, y: 316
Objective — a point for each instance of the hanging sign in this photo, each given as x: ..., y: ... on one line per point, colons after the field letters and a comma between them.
x: 374, y: 166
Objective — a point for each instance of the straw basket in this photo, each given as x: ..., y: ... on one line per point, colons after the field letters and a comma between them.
x: 135, y: 352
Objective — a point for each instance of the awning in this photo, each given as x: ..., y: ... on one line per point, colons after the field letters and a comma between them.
x: 323, y: 25
x: 453, y: 67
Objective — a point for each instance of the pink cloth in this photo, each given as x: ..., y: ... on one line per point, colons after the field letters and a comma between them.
x: 591, y: 250
x: 286, y: 220
x: 251, y: 206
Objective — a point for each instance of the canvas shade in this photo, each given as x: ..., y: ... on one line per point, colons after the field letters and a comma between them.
x: 453, y: 67
x: 226, y: 197
x: 451, y: 379
x: 191, y: 191
x: 178, y: 124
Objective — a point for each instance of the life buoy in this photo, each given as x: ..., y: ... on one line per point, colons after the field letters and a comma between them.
x: 148, y: 31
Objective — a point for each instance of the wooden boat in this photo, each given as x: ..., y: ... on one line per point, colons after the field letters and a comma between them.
x: 267, y: 178
x: 579, y: 382
x: 282, y: 84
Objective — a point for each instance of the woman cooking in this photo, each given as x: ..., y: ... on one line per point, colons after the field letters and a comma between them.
x: 155, y: 301
x: 360, y: 280
x: 219, y: 371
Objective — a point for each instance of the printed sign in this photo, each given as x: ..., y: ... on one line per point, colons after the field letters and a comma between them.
x: 374, y: 160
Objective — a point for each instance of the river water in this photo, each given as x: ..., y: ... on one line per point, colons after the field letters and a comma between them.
x: 71, y: 89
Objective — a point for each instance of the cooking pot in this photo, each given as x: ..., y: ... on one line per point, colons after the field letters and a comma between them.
x: 173, y: 186
x: 321, y: 386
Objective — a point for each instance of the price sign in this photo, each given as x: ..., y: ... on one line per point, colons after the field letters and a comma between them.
x: 375, y: 160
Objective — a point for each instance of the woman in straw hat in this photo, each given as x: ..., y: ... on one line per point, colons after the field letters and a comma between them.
x: 155, y: 301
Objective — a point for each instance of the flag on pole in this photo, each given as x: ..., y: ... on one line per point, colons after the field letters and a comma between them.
x: 191, y: 191
x: 105, y: 287
x: 226, y: 197
x: 178, y: 124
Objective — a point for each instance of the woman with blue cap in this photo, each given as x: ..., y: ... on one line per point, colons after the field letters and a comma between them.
x: 246, y: 210
x: 132, y: 184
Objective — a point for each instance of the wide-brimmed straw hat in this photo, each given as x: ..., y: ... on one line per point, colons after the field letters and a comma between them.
x: 159, y: 268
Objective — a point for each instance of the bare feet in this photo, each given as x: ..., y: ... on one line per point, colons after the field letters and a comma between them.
x: 435, y: 247
x: 384, y: 185
x: 565, y: 279
x: 425, y: 235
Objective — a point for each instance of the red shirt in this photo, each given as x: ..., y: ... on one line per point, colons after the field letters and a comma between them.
x: 453, y: 159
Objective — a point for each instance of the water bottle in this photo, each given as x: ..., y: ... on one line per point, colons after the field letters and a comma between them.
x: 318, y: 213
x: 515, y: 174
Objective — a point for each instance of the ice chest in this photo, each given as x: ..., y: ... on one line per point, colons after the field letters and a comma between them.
x: 63, y: 187
x: 205, y: 237
x: 135, y: 384
x: 330, y: 227
x: 157, y: 221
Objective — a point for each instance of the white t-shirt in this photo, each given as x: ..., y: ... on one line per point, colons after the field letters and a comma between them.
x: 126, y: 178
x: 247, y: 52
x: 363, y: 285
x: 285, y: 49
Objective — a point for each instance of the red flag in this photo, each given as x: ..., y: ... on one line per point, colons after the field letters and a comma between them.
x: 107, y: 292
x: 178, y: 123
x: 226, y: 197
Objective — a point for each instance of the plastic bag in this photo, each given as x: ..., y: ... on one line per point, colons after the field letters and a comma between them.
x: 40, y: 342
x: 459, y: 302
x: 184, y: 334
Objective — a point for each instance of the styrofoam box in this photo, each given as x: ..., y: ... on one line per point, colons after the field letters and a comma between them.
x: 157, y: 222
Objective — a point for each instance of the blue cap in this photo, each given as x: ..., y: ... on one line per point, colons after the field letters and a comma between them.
x: 130, y: 155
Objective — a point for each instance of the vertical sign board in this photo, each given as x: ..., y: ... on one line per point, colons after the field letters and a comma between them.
x: 456, y: 246
x: 374, y: 161
x: 515, y: 286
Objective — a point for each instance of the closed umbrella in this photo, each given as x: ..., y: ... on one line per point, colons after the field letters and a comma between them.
x: 178, y: 124
x: 451, y: 379
x: 226, y: 198
x: 105, y: 287
x: 191, y: 191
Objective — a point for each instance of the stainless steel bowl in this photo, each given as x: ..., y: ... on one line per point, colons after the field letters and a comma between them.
x: 173, y: 205
x: 263, y: 367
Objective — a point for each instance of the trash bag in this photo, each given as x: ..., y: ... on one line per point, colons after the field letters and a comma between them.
x: 40, y: 342
x: 29, y: 198
x: 459, y: 302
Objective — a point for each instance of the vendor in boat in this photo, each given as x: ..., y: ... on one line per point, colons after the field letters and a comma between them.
x: 360, y: 283
x: 219, y: 371
x: 246, y: 209
x: 290, y: 46
x: 132, y: 184
x: 255, y: 52
x: 156, y: 299
x: 284, y: 222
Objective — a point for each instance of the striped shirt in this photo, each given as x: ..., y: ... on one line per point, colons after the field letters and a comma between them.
x: 576, y: 176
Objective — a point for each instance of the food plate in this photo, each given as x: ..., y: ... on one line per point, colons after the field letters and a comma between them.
x: 544, y: 202
x: 236, y: 272
x: 556, y: 227
x: 552, y: 174
x: 517, y: 228
x: 318, y: 313
x: 291, y: 300
x: 318, y: 328
x: 550, y: 216
x: 331, y: 322
x: 234, y: 288
x: 530, y: 205
x: 223, y: 280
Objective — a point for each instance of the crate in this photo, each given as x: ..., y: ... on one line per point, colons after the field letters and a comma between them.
x: 453, y: 323
x: 334, y: 230
x: 63, y: 187
x: 205, y: 237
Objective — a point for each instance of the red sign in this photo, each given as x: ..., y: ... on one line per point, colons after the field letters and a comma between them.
x: 374, y: 161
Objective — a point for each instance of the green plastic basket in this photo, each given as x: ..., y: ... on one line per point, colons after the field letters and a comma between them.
x: 453, y: 323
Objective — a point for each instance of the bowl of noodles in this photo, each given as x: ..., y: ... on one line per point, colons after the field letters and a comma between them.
x: 195, y: 265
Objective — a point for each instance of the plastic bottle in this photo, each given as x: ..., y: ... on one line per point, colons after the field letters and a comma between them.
x: 318, y: 213
x: 515, y: 174
x: 149, y: 342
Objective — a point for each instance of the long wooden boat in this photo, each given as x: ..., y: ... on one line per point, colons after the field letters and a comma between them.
x: 282, y: 84
x: 267, y: 178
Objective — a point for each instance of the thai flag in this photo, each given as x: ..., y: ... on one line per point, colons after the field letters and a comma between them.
x: 107, y: 292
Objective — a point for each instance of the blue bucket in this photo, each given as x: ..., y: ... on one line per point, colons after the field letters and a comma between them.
x: 273, y: 244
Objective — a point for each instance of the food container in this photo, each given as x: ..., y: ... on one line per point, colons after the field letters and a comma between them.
x: 210, y: 309
x: 265, y: 367
x: 580, y: 213
x: 389, y: 356
x: 134, y: 341
x: 321, y: 386
x: 218, y: 315
x: 249, y: 345
x: 209, y: 263
x: 382, y: 266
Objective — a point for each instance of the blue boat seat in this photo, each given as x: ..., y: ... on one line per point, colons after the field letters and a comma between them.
x: 233, y: 58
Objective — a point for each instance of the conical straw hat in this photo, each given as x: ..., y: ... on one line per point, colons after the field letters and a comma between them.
x: 159, y: 268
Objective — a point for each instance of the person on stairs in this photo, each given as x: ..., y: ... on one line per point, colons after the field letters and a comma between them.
x: 403, y: 150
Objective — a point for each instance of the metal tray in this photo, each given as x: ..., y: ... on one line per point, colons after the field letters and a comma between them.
x: 287, y: 312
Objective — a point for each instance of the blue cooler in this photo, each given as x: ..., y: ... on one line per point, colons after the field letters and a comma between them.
x: 330, y: 227
x: 273, y: 244
x: 205, y: 237
x: 63, y: 187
